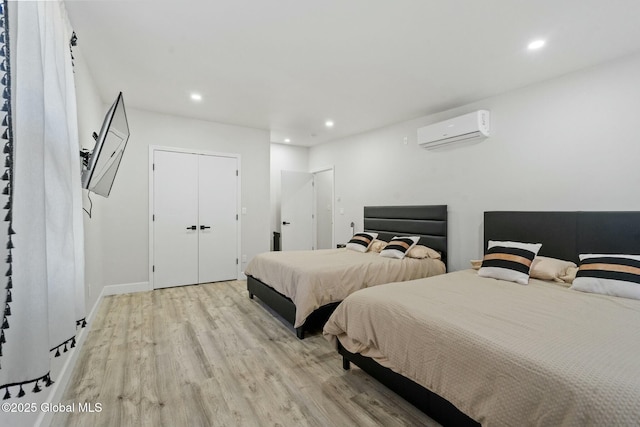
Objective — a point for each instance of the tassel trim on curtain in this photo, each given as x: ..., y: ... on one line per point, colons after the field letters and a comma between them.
x: 71, y: 342
x: 44, y: 380
x: 7, y: 176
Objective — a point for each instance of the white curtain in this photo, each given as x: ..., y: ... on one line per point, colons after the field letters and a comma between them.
x: 47, y: 295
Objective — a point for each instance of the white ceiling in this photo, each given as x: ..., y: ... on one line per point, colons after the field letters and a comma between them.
x: 289, y: 65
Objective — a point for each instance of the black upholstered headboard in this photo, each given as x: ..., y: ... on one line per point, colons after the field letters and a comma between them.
x: 427, y: 222
x: 564, y: 235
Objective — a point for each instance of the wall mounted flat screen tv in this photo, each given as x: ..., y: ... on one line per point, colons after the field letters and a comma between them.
x: 101, y: 165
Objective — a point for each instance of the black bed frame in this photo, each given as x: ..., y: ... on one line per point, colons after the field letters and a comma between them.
x: 427, y: 222
x: 563, y: 235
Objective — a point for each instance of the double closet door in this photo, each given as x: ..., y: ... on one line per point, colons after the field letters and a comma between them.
x: 195, y: 218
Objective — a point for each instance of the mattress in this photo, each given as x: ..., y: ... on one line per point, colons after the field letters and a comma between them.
x: 312, y: 279
x: 504, y: 354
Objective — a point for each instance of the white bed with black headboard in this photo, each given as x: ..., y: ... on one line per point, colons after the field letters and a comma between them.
x: 470, y: 349
x: 305, y: 286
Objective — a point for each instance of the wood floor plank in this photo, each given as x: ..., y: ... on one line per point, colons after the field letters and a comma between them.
x: 207, y: 355
x: 149, y: 388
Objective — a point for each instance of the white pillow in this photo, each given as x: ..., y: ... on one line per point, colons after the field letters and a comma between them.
x: 399, y: 246
x: 617, y: 275
x: 509, y: 261
x: 361, y: 241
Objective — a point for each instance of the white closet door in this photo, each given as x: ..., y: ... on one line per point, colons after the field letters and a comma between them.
x: 175, y: 244
x: 218, y: 210
x: 296, y: 210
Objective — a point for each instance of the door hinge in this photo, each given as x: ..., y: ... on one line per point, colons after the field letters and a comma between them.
x: 236, y: 172
x: 153, y: 166
x: 236, y: 261
x: 153, y: 217
x: 236, y: 217
x: 153, y: 269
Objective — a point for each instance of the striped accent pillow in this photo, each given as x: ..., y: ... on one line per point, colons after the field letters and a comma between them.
x: 509, y: 261
x: 361, y: 241
x: 398, y: 247
x: 617, y: 275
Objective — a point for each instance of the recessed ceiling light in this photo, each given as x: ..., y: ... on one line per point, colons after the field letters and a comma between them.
x: 536, y: 44
x: 287, y: 140
x: 196, y: 97
x: 329, y: 123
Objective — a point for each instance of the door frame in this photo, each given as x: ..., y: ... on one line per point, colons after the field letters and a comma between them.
x: 333, y: 205
x: 152, y: 149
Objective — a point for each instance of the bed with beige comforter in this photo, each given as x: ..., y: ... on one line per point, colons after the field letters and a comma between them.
x: 312, y: 279
x: 504, y: 354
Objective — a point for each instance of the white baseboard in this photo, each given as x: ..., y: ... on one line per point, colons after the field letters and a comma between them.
x: 94, y: 310
x: 126, y: 288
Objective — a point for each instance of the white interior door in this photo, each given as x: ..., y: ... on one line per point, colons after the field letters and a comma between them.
x: 175, y: 196
x: 296, y: 211
x: 218, y: 226
x: 323, y: 186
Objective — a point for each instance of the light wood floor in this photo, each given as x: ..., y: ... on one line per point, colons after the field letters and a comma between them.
x: 207, y: 355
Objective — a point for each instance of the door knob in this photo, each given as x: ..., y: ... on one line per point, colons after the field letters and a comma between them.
x: 202, y: 227
x: 193, y: 227
x: 285, y: 223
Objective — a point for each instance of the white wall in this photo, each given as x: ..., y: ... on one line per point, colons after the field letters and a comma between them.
x: 571, y: 143
x: 91, y: 111
x: 117, y: 235
x: 289, y: 158
x: 124, y: 221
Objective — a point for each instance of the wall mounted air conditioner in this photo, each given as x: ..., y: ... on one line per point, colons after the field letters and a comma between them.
x: 468, y: 127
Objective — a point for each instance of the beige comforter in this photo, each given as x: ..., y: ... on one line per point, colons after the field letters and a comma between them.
x: 316, y: 278
x: 504, y: 354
